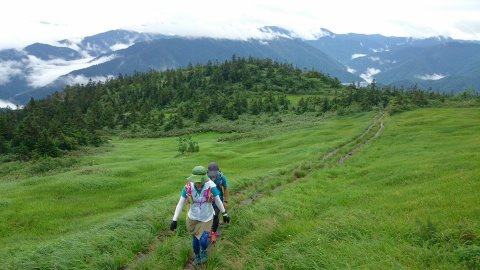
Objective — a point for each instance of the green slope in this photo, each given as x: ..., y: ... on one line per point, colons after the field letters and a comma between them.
x: 408, y: 200
x: 108, y: 206
x: 405, y: 200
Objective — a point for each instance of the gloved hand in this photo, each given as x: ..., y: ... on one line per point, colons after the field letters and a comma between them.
x: 226, y: 218
x: 173, y: 225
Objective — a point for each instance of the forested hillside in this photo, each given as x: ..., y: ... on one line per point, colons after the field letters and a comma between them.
x: 166, y: 103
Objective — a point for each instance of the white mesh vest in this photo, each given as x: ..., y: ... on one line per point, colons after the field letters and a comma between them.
x: 201, y: 209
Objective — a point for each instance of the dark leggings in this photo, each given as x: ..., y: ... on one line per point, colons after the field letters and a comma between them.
x: 200, y: 243
x: 215, y: 219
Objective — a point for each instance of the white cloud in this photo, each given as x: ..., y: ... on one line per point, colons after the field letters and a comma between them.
x: 42, y: 73
x: 322, y: 33
x: 430, y: 77
x: 73, y: 43
x: 374, y: 58
x: 8, y: 70
x: 378, y: 50
x: 271, y: 34
x: 358, y: 55
x: 120, y: 46
x: 49, y: 20
x: 5, y: 104
x: 81, y: 79
x: 369, y: 73
x: 351, y: 70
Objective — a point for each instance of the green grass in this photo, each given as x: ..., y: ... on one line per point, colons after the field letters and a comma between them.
x: 105, y: 207
x: 406, y: 200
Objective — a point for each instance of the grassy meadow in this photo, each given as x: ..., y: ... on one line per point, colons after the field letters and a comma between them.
x: 405, y: 200
x: 103, y: 208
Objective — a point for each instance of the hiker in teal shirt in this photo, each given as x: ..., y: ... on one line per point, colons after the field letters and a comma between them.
x: 221, y: 183
x: 199, y: 192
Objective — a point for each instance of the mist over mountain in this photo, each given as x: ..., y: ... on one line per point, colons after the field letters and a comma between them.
x: 438, y: 63
x: 49, y: 52
x: 162, y: 54
x: 109, y: 41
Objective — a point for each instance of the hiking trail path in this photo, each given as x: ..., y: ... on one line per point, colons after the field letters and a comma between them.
x: 335, y: 157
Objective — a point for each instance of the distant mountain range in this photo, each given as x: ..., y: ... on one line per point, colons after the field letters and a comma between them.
x: 439, y: 63
x: 179, y: 52
x: 436, y: 63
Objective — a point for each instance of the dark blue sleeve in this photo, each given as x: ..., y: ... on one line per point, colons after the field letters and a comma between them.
x: 184, y: 192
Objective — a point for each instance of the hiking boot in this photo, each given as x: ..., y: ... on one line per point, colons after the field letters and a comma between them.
x: 214, y: 236
x: 203, y: 256
x: 197, y: 260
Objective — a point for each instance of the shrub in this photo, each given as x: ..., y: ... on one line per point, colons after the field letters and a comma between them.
x: 299, y: 173
x: 187, y: 145
x: 47, y: 164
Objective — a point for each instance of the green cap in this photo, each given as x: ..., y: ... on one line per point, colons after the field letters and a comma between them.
x: 199, y: 174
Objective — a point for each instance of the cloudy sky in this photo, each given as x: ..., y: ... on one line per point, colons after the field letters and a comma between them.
x: 24, y: 22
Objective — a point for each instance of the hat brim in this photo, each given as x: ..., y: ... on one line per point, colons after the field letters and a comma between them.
x: 198, y: 178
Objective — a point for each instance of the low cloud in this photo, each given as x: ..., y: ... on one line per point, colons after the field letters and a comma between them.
x: 270, y: 33
x: 5, y: 104
x: 369, y: 73
x: 358, y: 55
x: 322, y: 33
x: 72, y: 43
x: 81, y: 79
x: 8, y: 70
x: 430, y: 77
x: 120, y: 46
x: 42, y: 73
x: 351, y: 70
x: 379, y: 50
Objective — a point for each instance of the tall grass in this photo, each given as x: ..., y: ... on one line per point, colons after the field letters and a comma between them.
x: 106, y: 207
x: 408, y: 200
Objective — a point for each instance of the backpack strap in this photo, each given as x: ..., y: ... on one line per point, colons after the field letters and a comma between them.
x: 208, y: 195
x: 220, y: 182
x: 188, y: 189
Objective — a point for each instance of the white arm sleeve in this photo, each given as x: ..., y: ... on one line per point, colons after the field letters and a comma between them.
x: 219, y: 204
x: 179, y: 208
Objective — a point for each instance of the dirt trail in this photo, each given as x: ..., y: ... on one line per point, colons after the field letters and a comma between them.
x: 358, y: 143
x: 334, y: 151
x: 358, y: 146
x: 354, y: 146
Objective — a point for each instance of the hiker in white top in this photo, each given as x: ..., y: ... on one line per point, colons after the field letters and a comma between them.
x: 199, y: 192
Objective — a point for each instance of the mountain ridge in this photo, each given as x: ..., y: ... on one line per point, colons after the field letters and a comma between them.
x: 350, y: 57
